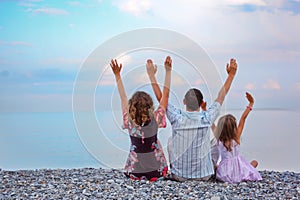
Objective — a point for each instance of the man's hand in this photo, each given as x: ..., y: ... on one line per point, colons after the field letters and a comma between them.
x: 232, y: 67
x: 231, y: 70
x: 203, y: 105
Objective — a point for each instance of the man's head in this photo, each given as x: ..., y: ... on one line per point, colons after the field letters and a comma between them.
x: 193, y: 99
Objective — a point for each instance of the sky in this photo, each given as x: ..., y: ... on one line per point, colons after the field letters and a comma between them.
x: 44, y: 43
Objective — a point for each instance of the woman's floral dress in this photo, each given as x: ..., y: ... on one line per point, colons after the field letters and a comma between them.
x: 146, y: 159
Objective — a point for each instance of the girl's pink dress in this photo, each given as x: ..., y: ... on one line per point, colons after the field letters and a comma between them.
x: 233, y: 168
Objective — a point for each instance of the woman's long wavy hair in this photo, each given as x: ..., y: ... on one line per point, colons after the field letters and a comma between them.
x: 226, y: 130
x: 141, y: 108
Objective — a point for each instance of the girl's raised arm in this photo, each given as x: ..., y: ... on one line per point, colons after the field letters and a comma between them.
x: 166, y: 91
x: 244, y: 116
x: 116, y: 68
x: 151, y: 71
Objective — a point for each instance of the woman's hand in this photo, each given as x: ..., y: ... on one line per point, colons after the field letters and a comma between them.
x: 116, y: 68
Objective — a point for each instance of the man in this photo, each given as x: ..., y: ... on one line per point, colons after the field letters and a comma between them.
x: 190, y: 147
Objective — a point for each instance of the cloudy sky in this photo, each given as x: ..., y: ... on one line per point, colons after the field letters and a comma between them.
x: 43, y: 44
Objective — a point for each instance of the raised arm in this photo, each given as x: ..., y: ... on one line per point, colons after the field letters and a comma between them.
x: 244, y: 116
x: 151, y: 71
x: 166, y: 91
x: 231, y: 71
x: 116, y: 68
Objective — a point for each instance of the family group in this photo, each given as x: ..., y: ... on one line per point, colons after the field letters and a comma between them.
x: 193, y: 155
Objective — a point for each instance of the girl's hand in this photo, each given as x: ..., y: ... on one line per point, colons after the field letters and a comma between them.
x: 250, y: 98
x: 151, y: 68
x: 168, y: 63
x: 115, y: 67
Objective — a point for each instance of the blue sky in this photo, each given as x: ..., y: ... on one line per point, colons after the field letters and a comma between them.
x: 44, y: 42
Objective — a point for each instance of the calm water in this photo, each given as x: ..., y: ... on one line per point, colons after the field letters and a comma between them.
x: 50, y: 140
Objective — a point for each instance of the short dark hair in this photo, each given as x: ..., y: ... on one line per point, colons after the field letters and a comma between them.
x: 193, y: 99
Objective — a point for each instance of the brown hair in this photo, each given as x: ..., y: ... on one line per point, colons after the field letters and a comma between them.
x: 140, y: 108
x: 226, y: 130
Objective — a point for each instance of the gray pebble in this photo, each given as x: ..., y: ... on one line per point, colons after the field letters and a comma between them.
x: 110, y: 181
x: 129, y: 187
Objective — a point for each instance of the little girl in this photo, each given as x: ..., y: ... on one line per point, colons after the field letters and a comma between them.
x: 234, y: 168
x: 146, y: 159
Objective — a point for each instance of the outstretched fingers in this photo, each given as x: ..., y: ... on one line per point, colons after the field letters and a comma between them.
x: 115, y: 66
x: 151, y: 68
x: 232, y: 67
x: 227, y: 68
x: 249, y: 97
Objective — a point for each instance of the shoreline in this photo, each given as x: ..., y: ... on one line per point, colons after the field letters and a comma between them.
x: 99, y: 183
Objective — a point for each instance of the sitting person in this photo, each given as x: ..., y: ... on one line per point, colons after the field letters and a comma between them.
x: 146, y: 159
x: 190, y: 147
x: 233, y: 168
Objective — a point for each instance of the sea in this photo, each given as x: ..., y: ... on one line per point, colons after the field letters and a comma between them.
x: 47, y: 140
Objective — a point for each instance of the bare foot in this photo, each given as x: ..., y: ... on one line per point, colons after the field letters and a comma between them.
x: 254, y: 163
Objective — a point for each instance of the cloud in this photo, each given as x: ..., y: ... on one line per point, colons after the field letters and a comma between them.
x: 106, y: 77
x: 246, y: 2
x: 25, y: 4
x: 142, y: 79
x: 62, y: 61
x: 269, y: 25
x: 89, y: 4
x: 74, y: 3
x: 71, y: 25
x: 297, y: 86
x: 29, y: 3
x: 217, y: 24
x: 3, y: 42
x: 134, y: 7
x: 4, y: 73
x: 199, y: 82
x: 140, y: 7
x: 49, y: 11
x: 35, y: 1
x: 271, y: 85
x: 177, y: 80
x: 20, y: 43
x: 124, y: 59
x: 107, y: 81
x: 15, y: 43
x: 250, y: 86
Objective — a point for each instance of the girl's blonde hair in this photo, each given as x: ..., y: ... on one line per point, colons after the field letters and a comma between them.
x: 140, y: 108
x: 226, y: 130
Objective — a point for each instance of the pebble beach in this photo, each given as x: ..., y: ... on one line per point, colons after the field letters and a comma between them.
x: 90, y: 183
